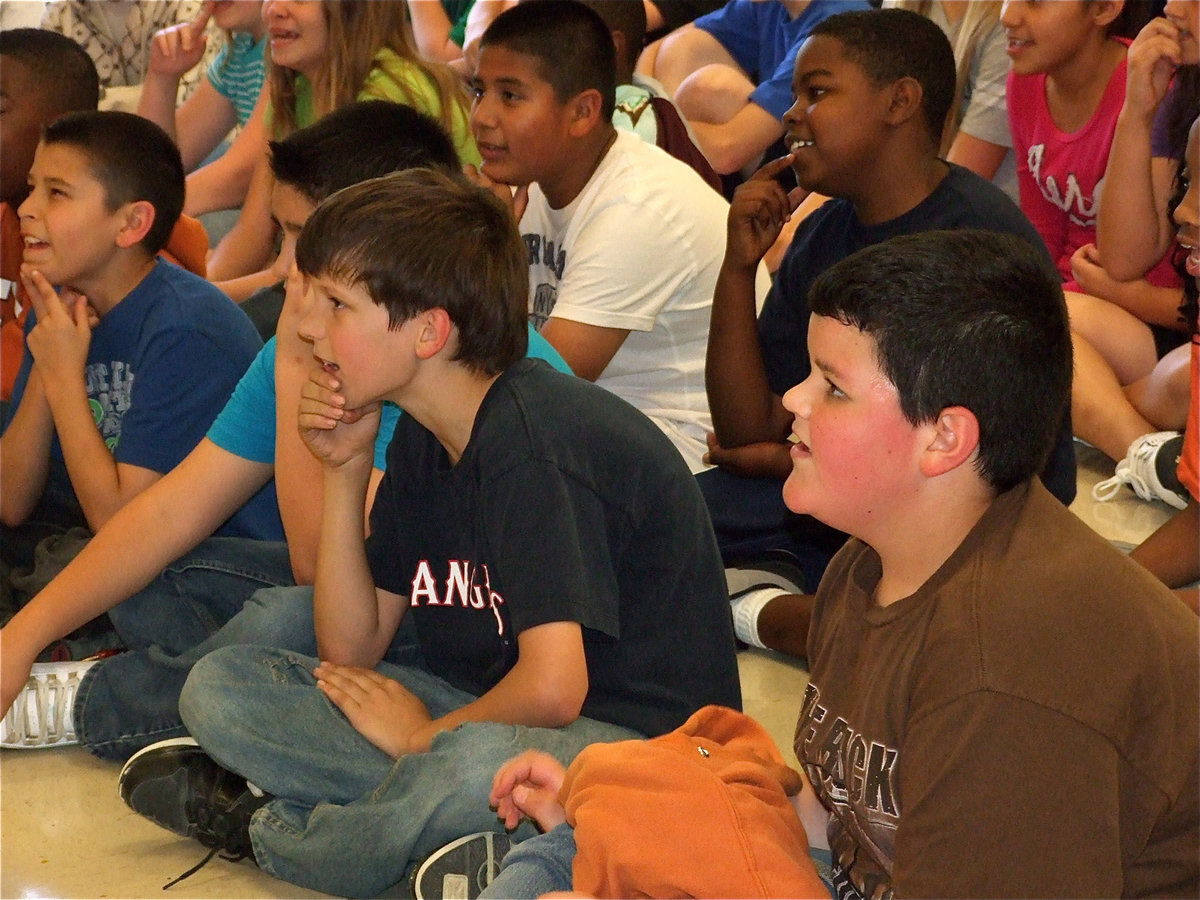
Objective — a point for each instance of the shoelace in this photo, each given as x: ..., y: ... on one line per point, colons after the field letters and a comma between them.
x: 222, y: 829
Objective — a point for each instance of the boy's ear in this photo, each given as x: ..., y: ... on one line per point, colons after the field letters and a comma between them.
x: 139, y: 218
x: 584, y: 112
x: 954, y: 440
x: 907, y: 96
x: 1104, y: 12
x: 434, y: 330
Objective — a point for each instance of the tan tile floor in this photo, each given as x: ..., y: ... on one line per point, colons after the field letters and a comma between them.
x: 65, y: 833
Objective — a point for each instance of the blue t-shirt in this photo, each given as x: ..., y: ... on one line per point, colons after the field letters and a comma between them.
x: 246, y: 426
x: 237, y: 73
x: 831, y: 233
x: 764, y: 40
x: 160, y: 367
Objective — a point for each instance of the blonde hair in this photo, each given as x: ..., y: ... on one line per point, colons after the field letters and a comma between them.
x: 358, y: 30
x: 980, y: 17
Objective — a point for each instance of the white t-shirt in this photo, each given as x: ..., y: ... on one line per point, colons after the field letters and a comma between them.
x: 639, y: 248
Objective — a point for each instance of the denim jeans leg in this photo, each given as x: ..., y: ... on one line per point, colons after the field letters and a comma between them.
x: 426, y: 800
x: 534, y: 867
x: 199, y: 592
x: 131, y: 700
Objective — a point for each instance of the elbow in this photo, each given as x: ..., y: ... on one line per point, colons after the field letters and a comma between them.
x: 726, y: 157
x: 558, y: 705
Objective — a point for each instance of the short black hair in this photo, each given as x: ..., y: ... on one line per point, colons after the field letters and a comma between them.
x: 964, y: 318
x: 365, y: 139
x: 570, y: 44
x: 627, y: 17
x: 133, y: 159
x: 890, y: 44
x: 62, y: 70
x: 421, y: 239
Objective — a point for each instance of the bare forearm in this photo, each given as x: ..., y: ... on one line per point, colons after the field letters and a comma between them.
x: 25, y: 455
x: 155, y: 528
x: 157, y: 101
x: 1153, y: 305
x: 349, y: 628
x: 90, y: 464
x: 1171, y: 553
x: 744, y: 409
x: 1131, y: 230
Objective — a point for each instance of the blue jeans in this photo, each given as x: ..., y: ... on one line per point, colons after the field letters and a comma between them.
x: 544, y: 863
x: 347, y: 819
x: 537, y: 866
x: 751, y: 520
x: 203, y: 600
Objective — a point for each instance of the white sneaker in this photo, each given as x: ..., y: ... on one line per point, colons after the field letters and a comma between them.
x: 1151, y: 461
x: 41, y: 714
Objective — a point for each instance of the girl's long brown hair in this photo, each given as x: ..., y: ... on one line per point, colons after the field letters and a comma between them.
x: 358, y: 29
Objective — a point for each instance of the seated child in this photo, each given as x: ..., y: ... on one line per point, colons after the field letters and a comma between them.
x: 130, y: 364
x: 225, y: 97
x: 125, y: 702
x: 1130, y: 396
x: 521, y: 523
x: 1000, y: 703
x: 45, y: 75
x: 1038, y: 665
x: 624, y: 240
x: 730, y: 71
x: 872, y: 91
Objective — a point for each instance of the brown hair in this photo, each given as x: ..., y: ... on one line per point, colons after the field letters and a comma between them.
x: 420, y: 239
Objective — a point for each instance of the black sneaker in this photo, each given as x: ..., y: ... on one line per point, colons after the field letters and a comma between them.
x: 461, y: 869
x: 177, y: 785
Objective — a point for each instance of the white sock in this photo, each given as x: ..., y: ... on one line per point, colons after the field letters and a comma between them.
x: 746, y: 608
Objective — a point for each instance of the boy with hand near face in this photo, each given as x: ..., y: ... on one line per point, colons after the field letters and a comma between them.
x: 871, y: 90
x: 545, y: 539
x: 183, y: 591
x: 126, y: 368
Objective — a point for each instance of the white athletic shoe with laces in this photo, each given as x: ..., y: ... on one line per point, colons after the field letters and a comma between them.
x: 41, y: 714
x: 1150, y: 462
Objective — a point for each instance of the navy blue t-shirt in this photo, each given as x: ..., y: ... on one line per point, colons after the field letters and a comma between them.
x: 833, y: 232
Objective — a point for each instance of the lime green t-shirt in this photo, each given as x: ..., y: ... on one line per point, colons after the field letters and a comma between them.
x: 395, y: 79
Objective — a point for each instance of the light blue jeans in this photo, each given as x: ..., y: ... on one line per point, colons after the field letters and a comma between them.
x: 347, y: 819
x: 208, y: 598
x: 536, y: 866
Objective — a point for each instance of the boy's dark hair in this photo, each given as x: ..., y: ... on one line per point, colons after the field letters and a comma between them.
x: 569, y: 43
x: 890, y: 44
x: 64, y: 73
x: 133, y: 159
x: 421, y: 239
x: 964, y: 318
x: 363, y: 140
x: 629, y: 18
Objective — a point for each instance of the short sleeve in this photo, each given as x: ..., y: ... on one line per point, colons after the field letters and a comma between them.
x: 985, y: 113
x: 246, y: 426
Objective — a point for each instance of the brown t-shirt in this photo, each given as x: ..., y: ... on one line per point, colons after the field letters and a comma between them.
x: 1026, y: 724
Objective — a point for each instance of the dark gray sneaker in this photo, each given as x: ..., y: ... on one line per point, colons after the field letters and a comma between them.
x: 461, y: 869
x: 177, y: 785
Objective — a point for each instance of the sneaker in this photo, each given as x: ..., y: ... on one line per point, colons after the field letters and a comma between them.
x: 461, y: 869
x: 177, y: 785
x: 1149, y: 468
x: 41, y: 716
